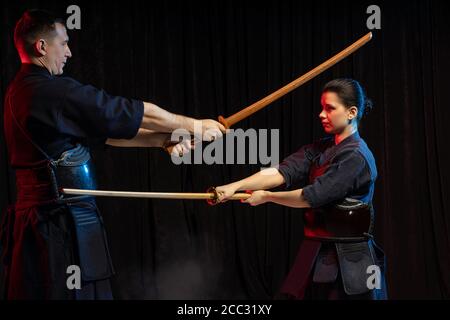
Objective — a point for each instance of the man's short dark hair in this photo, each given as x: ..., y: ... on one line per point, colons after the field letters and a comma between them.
x: 33, y: 24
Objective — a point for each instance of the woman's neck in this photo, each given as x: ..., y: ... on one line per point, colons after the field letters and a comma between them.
x: 347, y: 132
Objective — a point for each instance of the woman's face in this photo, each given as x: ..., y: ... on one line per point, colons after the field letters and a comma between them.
x: 335, y: 116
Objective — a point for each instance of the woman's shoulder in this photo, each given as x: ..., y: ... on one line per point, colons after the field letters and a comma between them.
x: 323, y: 143
x: 365, y: 152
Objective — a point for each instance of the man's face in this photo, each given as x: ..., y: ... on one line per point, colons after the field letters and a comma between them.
x: 57, y: 50
x: 335, y: 116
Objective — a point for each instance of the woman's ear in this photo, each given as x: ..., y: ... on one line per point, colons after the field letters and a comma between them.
x: 352, y: 112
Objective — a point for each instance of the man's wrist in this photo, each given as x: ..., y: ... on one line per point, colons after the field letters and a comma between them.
x: 165, y: 141
x: 185, y: 123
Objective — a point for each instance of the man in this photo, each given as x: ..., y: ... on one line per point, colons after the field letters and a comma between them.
x: 49, y: 123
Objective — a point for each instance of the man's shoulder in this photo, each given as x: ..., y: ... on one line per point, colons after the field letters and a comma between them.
x: 66, y: 81
x: 36, y: 82
x: 56, y: 87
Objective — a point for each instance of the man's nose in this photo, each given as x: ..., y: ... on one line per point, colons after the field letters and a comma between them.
x: 322, y: 115
x: 68, y: 53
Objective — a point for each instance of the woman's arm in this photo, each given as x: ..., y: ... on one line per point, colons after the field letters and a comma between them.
x: 292, y: 198
x: 265, y: 179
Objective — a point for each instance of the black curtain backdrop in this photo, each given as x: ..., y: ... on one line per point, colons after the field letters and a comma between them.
x: 211, y: 58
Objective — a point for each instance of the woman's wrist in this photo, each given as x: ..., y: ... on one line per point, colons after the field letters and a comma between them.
x: 268, y: 196
x: 238, y: 186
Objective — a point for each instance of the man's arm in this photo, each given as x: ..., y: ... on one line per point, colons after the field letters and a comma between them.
x: 144, y: 138
x: 158, y: 119
x: 149, y: 138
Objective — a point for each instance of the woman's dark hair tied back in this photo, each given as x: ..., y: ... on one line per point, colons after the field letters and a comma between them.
x: 368, y: 106
x: 351, y: 93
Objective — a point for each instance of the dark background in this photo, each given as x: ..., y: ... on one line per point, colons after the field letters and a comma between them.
x: 209, y: 58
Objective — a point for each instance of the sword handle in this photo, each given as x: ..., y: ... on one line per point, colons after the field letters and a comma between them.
x: 237, y: 196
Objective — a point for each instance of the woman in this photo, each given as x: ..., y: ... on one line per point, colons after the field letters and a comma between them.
x: 338, y: 258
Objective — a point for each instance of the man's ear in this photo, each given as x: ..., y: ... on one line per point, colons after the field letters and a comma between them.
x: 40, y: 47
x: 352, y: 112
